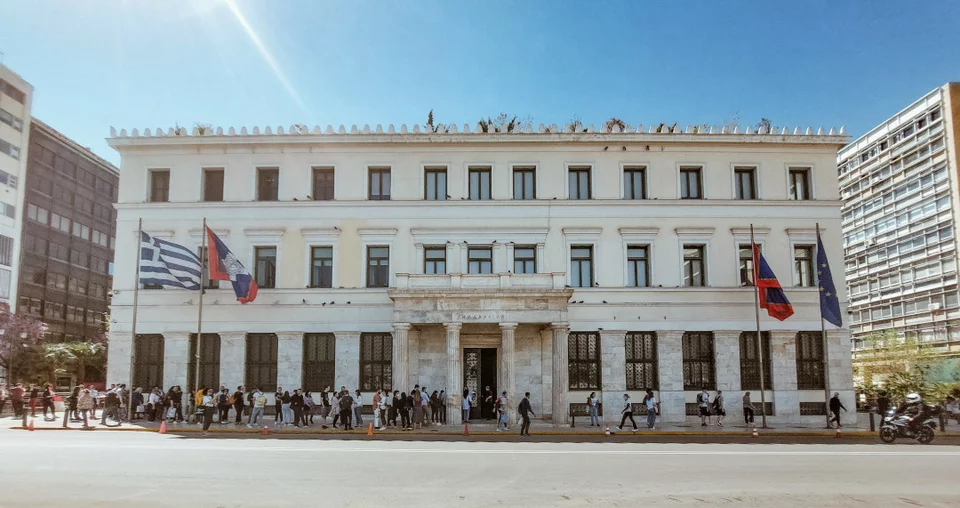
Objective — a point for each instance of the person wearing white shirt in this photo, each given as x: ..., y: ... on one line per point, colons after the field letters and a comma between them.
x: 652, y: 405
x: 357, y: 408
x: 467, y: 404
x: 208, y: 407
x: 259, y: 405
x: 593, y: 404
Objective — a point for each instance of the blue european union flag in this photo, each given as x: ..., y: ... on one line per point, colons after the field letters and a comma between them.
x: 829, y: 303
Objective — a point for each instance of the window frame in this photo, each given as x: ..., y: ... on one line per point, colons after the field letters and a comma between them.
x: 631, y: 271
x: 750, y: 363
x: 261, y: 170
x: 702, y: 248
x: 752, y: 170
x: 808, y: 171
x: 580, y: 260
x: 525, y: 260
x: 701, y: 359
x: 522, y: 170
x: 809, y: 261
x: 256, y: 265
x: 383, y: 364
x: 427, y: 260
x: 579, y: 168
x: 206, y: 172
x: 320, y: 169
x: 641, y: 363
x: 810, y: 355
x: 480, y: 171
x: 434, y: 171
x: 315, y: 281
x: 152, y: 196
x: 263, y: 372
x: 368, y: 282
x: 575, y: 376
x: 379, y: 171
x: 481, y: 261
x: 683, y: 169
x: 627, y: 192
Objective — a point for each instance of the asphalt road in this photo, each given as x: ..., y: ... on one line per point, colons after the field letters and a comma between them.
x: 145, y: 469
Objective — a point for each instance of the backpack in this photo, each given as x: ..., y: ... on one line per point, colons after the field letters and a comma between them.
x: 223, y: 399
x: 261, y: 401
x: 232, y: 400
x: 700, y: 398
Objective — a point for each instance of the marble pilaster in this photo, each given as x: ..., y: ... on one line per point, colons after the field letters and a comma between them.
x: 546, y: 370
x: 289, y: 360
x: 840, y: 372
x: 454, y: 374
x: 401, y: 355
x: 561, y: 376
x: 508, y: 360
x: 233, y: 356
x: 783, y: 363
x: 726, y: 350
x: 119, y: 357
x: 613, y: 370
x: 670, y: 353
x: 347, y: 364
x: 176, y: 353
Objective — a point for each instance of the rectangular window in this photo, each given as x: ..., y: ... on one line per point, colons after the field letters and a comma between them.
x: 205, y: 260
x: 13, y: 92
x: 810, y: 375
x: 323, y: 180
x: 694, y: 268
x: 584, y: 360
x: 266, y: 266
x: 209, y: 362
x: 691, y: 186
x: 746, y: 265
x: 60, y: 223
x: 579, y: 182
x: 213, y: 184
x: 321, y: 267
x: 581, y: 266
x: 159, y: 185
x: 524, y: 183
x: 53, y: 310
x: 59, y: 252
x: 799, y: 184
x: 9, y: 149
x: 698, y: 361
x: 8, y: 118
x: 261, y: 361
x: 480, y: 183
x: 524, y: 259
x: 435, y: 260
x: 379, y: 187
x: 148, y: 362
x: 479, y: 260
x: 634, y: 182
x: 803, y: 265
x: 6, y: 250
x: 638, y: 266
x: 376, y: 361
x: 435, y: 183
x: 319, y: 361
x: 268, y: 184
x: 750, y: 361
x: 378, y: 267
x: 745, y: 183
x: 642, y: 361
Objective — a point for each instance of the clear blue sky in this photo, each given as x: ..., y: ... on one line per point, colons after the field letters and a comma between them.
x: 145, y: 63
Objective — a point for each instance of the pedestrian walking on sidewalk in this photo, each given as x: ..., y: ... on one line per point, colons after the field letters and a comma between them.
x: 111, y: 408
x: 208, y: 404
x: 703, y: 401
x: 259, y: 405
x: 85, y: 405
x: 747, y: 409
x: 16, y: 398
x: 835, y: 407
x: 466, y: 405
x: 357, y: 409
x: 653, y: 408
x: 627, y: 412
x: 718, y: 408
x: 525, y: 413
x: 500, y: 407
x: 593, y: 407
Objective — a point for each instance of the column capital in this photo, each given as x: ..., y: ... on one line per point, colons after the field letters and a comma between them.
x: 289, y: 335
x: 560, y: 326
x: 453, y: 327
x: 231, y: 335
x: 735, y: 334
x: 401, y: 326
x: 509, y: 326
x: 783, y: 334
x: 177, y: 335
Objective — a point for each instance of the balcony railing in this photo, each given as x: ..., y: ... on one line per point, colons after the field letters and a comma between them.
x: 555, y: 280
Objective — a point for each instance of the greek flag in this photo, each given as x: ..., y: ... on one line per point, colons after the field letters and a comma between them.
x: 164, y: 263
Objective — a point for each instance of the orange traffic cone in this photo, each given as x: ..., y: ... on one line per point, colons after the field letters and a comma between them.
x: 163, y: 427
x: 606, y: 431
x: 265, y: 431
x: 466, y: 428
x: 755, y: 434
x: 30, y: 425
x: 838, y: 435
x: 370, y: 429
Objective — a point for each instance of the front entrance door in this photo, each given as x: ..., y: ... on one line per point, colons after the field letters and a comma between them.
x: 480, y: 371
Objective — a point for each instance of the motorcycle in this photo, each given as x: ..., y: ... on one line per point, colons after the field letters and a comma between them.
x: 895, y: 426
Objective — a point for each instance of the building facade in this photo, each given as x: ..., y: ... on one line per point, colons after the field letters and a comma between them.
x: 555, y: 262
x: 900, y: 190
x: 16, y: 97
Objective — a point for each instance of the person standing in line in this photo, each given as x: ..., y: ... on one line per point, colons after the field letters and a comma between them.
x: 85, y: 404
x: 223, y: 405
x: 297, y: 406
x: 500, y: 407
x: 835, y: 407
x: 525, y: 412
x: 487, y: 410
x: 346, y: 407
x: 417, y: 407
x: 652, y: 408
x: 335, y: 407
x: 176, y: 400
x: 593, y: 408
x: 324, y: 407
x: 718, y: 408
x: 137, y: 403
x: 16, y: 398
x: 402, y: 407
x: 425, y: 405
x: 384, y: 409
x: 111, y: 406
x: 376, y: 409
x: 435, y: 407
x: 124, y: 393
x: 285, y: 401
x: 627, y: 412
x: 357, y: 409
x: 467, y: 403
x: 703, y: 401
x: 71, y: 404
x: 208, y: 404
x: 34, y: 398
x: 395, y: 408
x: 443, y: 407
x: 257, y: 408
x: 155, y: 410
x: 48, y: 395
x: 747, y: 409
x: 278, y: 406
x: 96, y: 401
x: 309, y: 408
x: 238, y: 405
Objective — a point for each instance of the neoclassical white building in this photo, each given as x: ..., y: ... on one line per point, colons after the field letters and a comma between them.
x: 548, y: 261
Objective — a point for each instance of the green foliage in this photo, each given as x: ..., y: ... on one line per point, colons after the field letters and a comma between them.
x: 502, y: 123
x: 74, y: 357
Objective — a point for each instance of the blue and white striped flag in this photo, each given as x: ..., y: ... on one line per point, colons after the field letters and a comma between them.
x: 164, y: 263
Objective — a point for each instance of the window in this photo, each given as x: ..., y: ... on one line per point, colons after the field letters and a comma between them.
x: 53, y: 310
x: 81, y: 231
x: 13, y: 92
x: 634, y: 182
x: 213, y: 184
x: 691, y: 186
x: 435, y: 260
x: 266, y: 266
x: 579, y: 182
x: 694, y: 270
x: 810, y: 375
x: 268, y: 184
x: 323, y: 183
x: 379, y: 189
x: 642, y: 361
x: 34, y: 275
x: 799, y: 184
x: 803, y: 265
x: 209, y: 362
x: 205, y: 260
x: 479, y: 260
x: 60, y: 223
x: 745, y: 183
x: 9, y: 149
x: 5, y: 283
x: 98, y: 264
x: 638, y: 266
x: 8, y: 179
x: 746, y: 265
x: 750, y: 361
x: 581, y: 266
x: 9, y: 210
x: 41, y: 185
x: 35, y: 245
x: 319, y: 361
x: 63, y: 196
x: 435, y: 183
x: 103, y: 213
x: 321, y: 267
x: 75, y: 286
x: 524, y: 259
x: 261, y: 361
x: 376, y: 361
x: 698, y: 361
x: 583, y: 355
x: 159, y: 185
x: 11, y: 120
x: 378, y: 267
x: 479, y: 183
x: 6, y: 250
x: 59, y: 252
x: 524, y: 183
x: 148, y: 362
x: 97, y: 291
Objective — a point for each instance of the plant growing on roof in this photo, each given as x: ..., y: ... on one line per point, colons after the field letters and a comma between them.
x: 614, y: 121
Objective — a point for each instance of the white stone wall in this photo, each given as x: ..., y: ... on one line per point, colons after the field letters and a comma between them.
x: 347, y: 370
x: 529, y: 369
x: 432, y: 359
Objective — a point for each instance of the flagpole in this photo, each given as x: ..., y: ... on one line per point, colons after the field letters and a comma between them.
x: 203, y: 252
x: 826, y: 347
x: 756, y: 307
x: 133, y: 328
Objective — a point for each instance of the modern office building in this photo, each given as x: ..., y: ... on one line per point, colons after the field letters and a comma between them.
x: 543, y: 260
x: 15, y: 102
x: 899, y: 187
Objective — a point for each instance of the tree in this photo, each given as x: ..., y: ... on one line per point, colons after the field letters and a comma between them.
x: 20, y: 333
x: 764, y: 125
x: 899, y: 363
x: 503, y: 123
x: 429, y: 125
x: 75, y: 357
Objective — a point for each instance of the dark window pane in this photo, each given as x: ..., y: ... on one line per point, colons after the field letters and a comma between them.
x: 213, y: 185
x: 376, y: 361
x: 268, y: 184
x: 323, y: 181
x: 159, y: 185
x: 261, y: 361
x: 435, y: 184
x: 634, y: 183
x: 583, y: 354
x: 266, y: 266
x: 378, y: 267
x: 698, y: 361
x: 321, y: 267
x: 379, y: 187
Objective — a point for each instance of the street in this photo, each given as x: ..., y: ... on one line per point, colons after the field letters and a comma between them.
x: 146, y: 469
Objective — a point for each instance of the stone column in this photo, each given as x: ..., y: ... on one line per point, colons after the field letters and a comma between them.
x: 546, y: 372
x: 561, y: 375
x: 401, y: 355
x: 176, y: 358
x: 840, y: 373
x: 783, y: 363
x: 347, y: 363
x: 670, y: 354
x: 613, y: 371
x: 454, y: 374
x: 289, y: 360
x: 508, y: 362
x: 233, y: 356
x: 726, y: 350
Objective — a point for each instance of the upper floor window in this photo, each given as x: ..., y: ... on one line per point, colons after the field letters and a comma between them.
x: 524, y: 183
x: 435, y: 260
x: 479, y: 260
x: 266, y: 266
x: 379, y: 185
x: 323, y: 183
x: 321, y: 267
x: 799, y: 184
x: 524, y: 259
x: 11, y: 120
x: 691, y: 184
x: 268, y: 184
x: 694, y: 267
x: 634, y: 182
x: 13, y: 92
x: 6, y: 250
x: 9, y: 149
x: 378, y: 267
x: 746, y: 265
x: 581, y: 266
x: 803, y: 265
x: 745, y: 183
x: 480, y: 183
x: 213, y: 184
x: 159, y: 185
x: 435, y: 183
x: 579, y: 182
x: 638, y: 266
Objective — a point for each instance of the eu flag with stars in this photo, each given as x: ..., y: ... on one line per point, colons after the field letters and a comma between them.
x: 829, y: 303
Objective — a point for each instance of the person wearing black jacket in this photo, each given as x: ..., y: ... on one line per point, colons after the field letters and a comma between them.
x: 223, y: 404
x: 346, y: 408
x: 883, y: 404
x: 835, y: 407
x: 238, y: 404
x: 395, y: 408
x: 278, y: 406
x: 296, y: 404
x: 48, y: 395
x: 525, y: 412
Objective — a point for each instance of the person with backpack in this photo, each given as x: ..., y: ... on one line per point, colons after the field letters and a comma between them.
x: 718, y: 408
x: 627, y: 412
x: 258, y: 407
x: 111, y: 408
x: 653, y: 407
x: 593, y: 405
x: 703, y: 402
x: 236, y: 400
x: 500, y: 407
